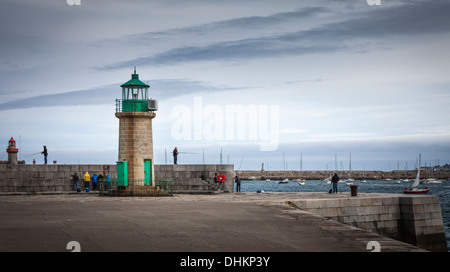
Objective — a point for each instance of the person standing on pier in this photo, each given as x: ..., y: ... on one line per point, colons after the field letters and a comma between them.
x: 216, y: 180
x: 75, y: 182
x: 87, y: 178
x: 175, y: 155
x: 335, y: 180
x: 45, y: 154
x: 94, y: 179
x: 238, y: 184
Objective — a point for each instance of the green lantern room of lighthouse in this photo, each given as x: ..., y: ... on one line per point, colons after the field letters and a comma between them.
x: 135, y: 96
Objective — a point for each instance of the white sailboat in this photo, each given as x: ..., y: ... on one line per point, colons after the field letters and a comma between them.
x: 414, y: 189
x: 285, y: 180
x: 433, y: 181
x: 363, y: 179
x: 349, y: 181
x: 327, y: 179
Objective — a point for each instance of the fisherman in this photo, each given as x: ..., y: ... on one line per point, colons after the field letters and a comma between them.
x: 101, y: 179
x: 75, y: 181
x: 216, y: 181
x: 335, y: 180
x: 175, y: 155
x: 108, y: 181
x: 87, y: 178
x: 45, y: 154
x: 238, y: 184
x: 94, y: 182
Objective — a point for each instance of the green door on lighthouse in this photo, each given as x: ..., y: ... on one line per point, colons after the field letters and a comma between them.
x: 122, y: 176
x: 148, y: 171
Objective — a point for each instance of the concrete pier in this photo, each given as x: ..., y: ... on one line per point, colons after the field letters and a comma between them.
x: 416, y: 220
x: 242, y: 222
x: 413, y: 219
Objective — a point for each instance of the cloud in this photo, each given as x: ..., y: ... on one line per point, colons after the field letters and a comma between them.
x: 235, y: 50
x: 403, y: 20
x: 250, y: 22
x: 159, y: 89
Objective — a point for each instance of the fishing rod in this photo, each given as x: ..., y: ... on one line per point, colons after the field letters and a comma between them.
x: 188, y: 152
x: 33, y: 154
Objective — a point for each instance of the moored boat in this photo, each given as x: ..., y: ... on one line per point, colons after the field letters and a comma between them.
x: 414, y: 189
x: 283, y: 181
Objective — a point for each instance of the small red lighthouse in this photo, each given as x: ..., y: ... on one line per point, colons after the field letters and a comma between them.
x: 12, y: 151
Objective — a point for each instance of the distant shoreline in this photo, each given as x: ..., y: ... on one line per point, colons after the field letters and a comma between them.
x: 318, y: 175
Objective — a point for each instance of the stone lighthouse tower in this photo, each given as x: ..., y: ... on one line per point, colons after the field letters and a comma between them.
x: 12, y: 151
x: 135, y: 111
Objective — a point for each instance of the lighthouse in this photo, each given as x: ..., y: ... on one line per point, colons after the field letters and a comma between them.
x: 12, y: 151
x: 135, y: 165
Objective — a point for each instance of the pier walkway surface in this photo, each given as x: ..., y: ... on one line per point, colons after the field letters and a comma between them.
x: 228, y: 222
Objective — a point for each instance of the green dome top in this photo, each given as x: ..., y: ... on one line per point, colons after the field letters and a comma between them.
x: 134, y: 81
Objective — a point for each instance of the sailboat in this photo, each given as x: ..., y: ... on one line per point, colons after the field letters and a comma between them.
x: 285, y: 180
x: 433, y: 180
x: 363, y: 179
x: 349, y: 181
x: 414, y: 189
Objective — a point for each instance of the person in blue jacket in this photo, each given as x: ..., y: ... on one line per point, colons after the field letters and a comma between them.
x: 94, y: 182
x: 108, y: 180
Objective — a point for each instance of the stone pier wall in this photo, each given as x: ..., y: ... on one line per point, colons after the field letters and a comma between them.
x: 413, y: 219
x: 33, y: 178
x: 196, y: 178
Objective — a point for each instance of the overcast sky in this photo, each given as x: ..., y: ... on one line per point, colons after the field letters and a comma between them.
x: 316, y: 80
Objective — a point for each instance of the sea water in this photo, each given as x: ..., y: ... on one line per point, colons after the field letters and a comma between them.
x: 370, y: 186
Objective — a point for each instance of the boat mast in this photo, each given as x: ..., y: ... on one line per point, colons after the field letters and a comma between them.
x: 417, y: 180
x: 350, y: 165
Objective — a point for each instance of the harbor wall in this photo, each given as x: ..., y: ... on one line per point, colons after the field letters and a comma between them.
x: 416, y: 220
x: 319, y: 175
x: 33, y: 178
x: 196, y: 178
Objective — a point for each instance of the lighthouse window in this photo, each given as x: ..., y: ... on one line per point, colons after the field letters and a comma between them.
x: 135, y: 93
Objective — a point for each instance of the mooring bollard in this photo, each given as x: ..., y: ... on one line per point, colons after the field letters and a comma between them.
x: 354, y: 190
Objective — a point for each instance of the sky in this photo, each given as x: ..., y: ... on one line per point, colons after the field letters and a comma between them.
x: 296, y: 85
